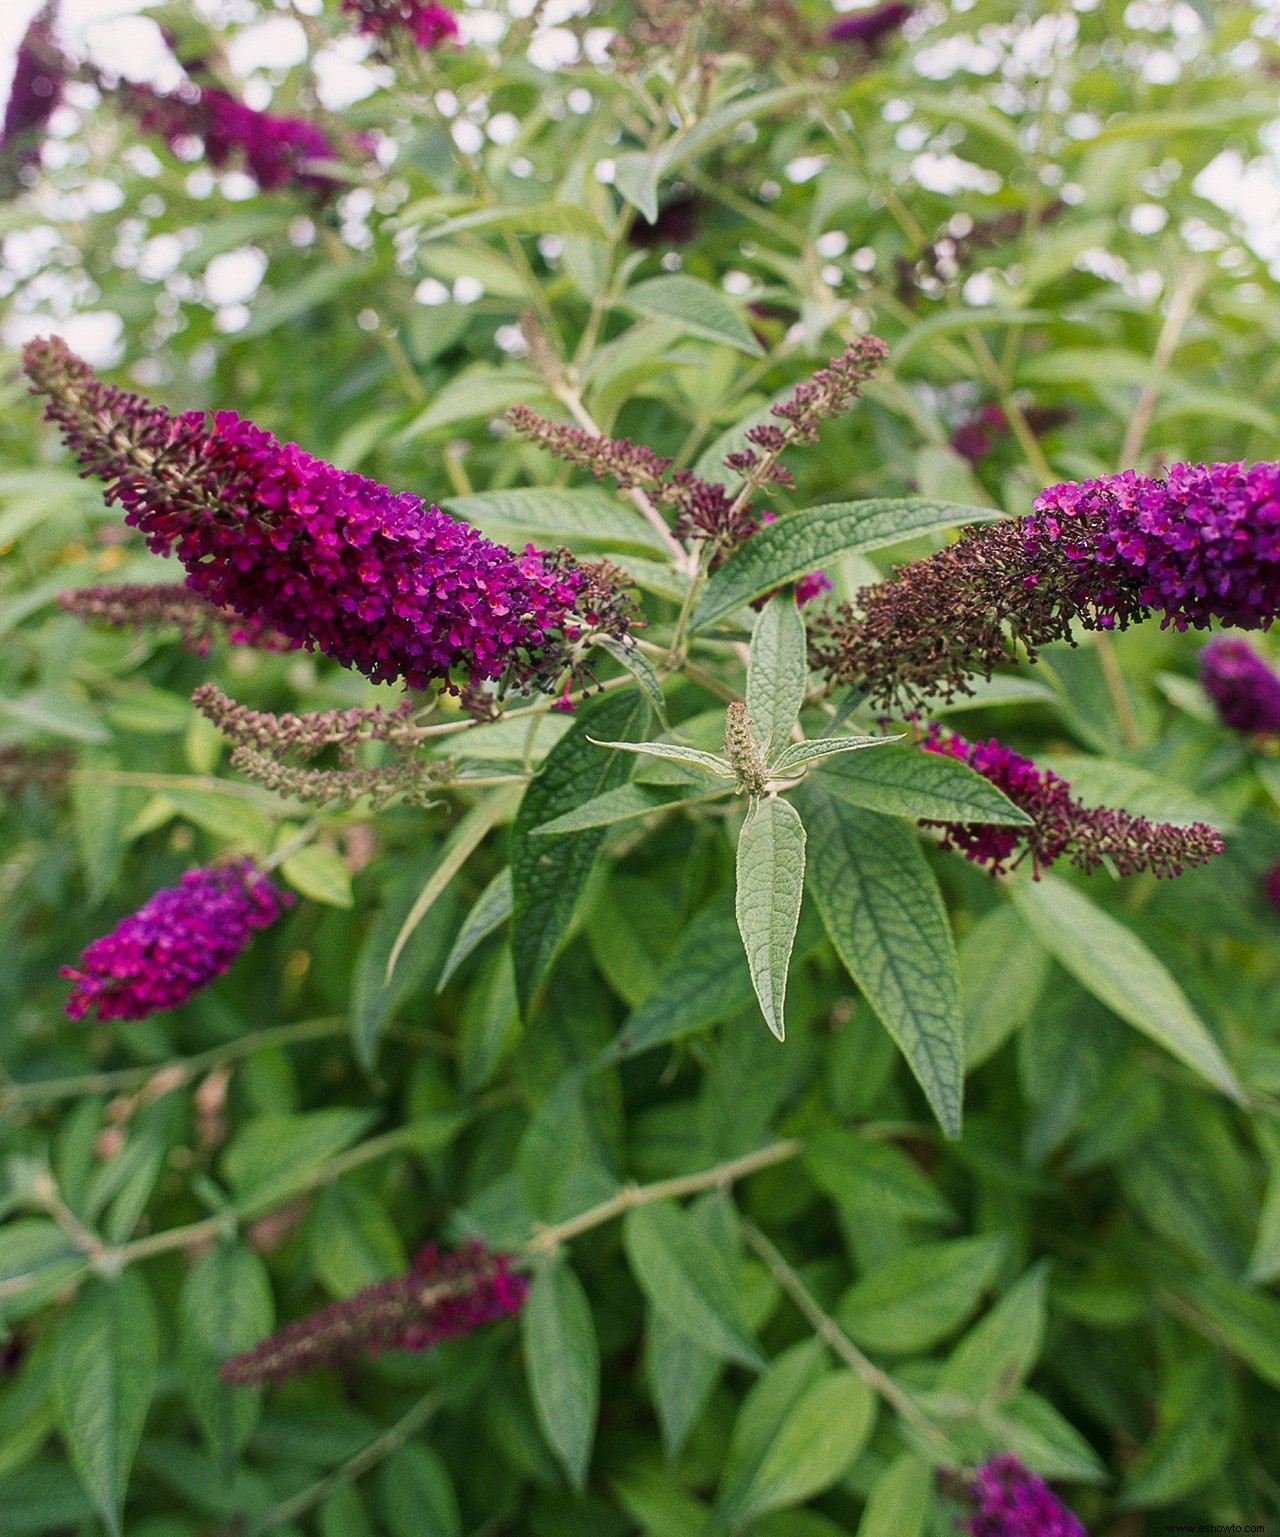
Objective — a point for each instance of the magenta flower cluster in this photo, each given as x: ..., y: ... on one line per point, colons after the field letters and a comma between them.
x: 1060, y: 823
x: 175, y: 944
x: 38, y: 78
x: 329, y: 558
x: 1202, y: 543
x: 1012, y: 1501
x: 871, y: 29
x: 275, y: 150
x: 1271, y: 887
x: 1244, y: 688
x: 444, y: 1295
x: 428, y: 25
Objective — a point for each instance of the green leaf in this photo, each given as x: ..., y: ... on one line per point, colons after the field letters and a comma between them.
x: 374, y: 998
x: 996, y: 1356
x: 225, y: 1307
x: 492, y: 909
x: 480, y: 391
x: 777, y: 672
x: 1033, y: 1429
x: 686, y: 1279
x: 815, y: 1445
x: 900, y: 1499
x: 867, y: 1176
x: 696, y: 307
x: 918, y: 784
x: 1102, y: 782
x: 526, y: 219
x: 1192, y: 1438
x: 770, y: 886
x: 57, y: 712
x: 621, y: 805
x: 458, y: 847
x: 229, y: 818
x: 1113, y: 964
x: 911, y: 1302
x: 1247, y: 1322
x: 321, y: 874
x: 884, y: 914
x: 819, y: 748
x: 99, y: 813
x: 681, y: 1376
x: 802, y: 541
x: 105, y: 1365
x: 705, y: 979
x: 1003, y: 969
x: 319, y: 286
x: 764, y: 1411
x: 415, y: 1494
x: 562, y: 1359
x: 353, y: 1242
x: 273, y: 1156
x: 548, y: 874
x: 640, y: 668
x: 582, y: 514
x: 673, y: 752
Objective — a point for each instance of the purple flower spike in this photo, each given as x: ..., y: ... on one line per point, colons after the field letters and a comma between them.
x: 428, y: 25
x: 443, y: 1296
x: 1061, y: 823
x: 1271, y: 887
x: 871, y: 28
x: 39, y: 75
x: 175, y: 944
x: 1245, y: 690
x: 1013, y: 1502
x: 328, y: 558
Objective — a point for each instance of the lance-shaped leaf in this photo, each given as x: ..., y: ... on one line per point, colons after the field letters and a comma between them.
x: 710, y: 762
x: 562, y: 1360
x: 911, y: 783
x: 1117, y: 968
x: 492, y: 909
x: 799, y: 753
x: 621, y: 805
x: 801, y: 541
x: 770, y: 888
x: 640, y: 668
x: 548, y: 874
x: 777, y: 671
x: 884, y: 914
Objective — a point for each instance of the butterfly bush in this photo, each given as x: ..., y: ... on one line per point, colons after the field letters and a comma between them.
x: 444, y: 1295
x: 870, y: 29
x: 1061, y: 824
x: 178, y: 942
x: 39, y: 76
x: 1244, y: 688
x: 428, y: 25
x: 1011, y: 1501
x: 1197, y: 545
x: 330, y: 559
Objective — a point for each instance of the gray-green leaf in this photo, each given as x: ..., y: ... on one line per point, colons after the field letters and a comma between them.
x: 924, y: 785
x: 695, y: 306
x: 562, y: 1359
x: 769, y: 891
x: 777, y: 672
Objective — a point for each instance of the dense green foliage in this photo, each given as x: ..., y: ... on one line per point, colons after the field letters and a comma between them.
x: 1078, y: 1264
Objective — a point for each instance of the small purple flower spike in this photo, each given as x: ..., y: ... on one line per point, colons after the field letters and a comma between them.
x: 175, y: 944
x: 1245, y: 690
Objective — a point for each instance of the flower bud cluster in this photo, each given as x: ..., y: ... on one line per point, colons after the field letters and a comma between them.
x: 1244, y: 688
x: 39, y: 75
x: 175, y: 944
x: 138, y: 605
x: 1062, y: 824
x: 443, y: 1296
x: 1011, y: 1501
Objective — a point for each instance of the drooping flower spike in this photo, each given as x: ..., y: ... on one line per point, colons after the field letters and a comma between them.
x: 175, y: 944
x: 1012, y: 1501
x: 871, y: 29
x: 329, y: 558
x: 1242, y: 685
x: 1201, y: 544
x: 428, y: 25
x: 1271, y: 886
x: 444, y: 1295
x: 39, y: 74
x: 137, y: 605
x: 1062, y: 824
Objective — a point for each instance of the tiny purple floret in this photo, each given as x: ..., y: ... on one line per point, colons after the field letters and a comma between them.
x: 1013, y: 1502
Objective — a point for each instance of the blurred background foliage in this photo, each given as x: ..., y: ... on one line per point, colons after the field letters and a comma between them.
x: 1040, y: 212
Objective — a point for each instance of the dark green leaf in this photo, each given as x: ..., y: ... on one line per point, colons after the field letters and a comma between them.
x: 910, y: 1303
x: 563, y: 1363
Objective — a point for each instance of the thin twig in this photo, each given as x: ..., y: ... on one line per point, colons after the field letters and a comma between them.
x: 545, y: 1239
x: 832, y: 1335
